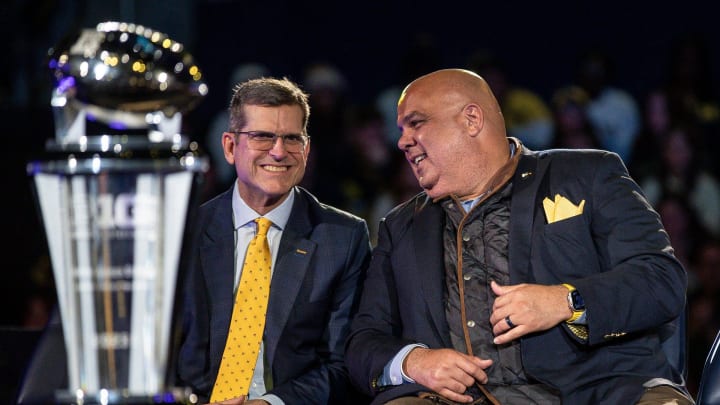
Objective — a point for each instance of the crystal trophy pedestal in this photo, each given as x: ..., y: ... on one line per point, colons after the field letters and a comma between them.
x: 114, y: 189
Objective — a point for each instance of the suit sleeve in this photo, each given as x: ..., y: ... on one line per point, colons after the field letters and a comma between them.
x: 641, y: 278
x: 374, y: 338
x: 327, y: 383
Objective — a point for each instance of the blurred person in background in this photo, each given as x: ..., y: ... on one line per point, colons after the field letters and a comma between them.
x: 682, y: 173
x: 371, y: 180
x: 704, y: 304
x: 365, y: 180
x: 692, y: 93
x: 573, y: 129
x: 685, y: 230
x: 526, y: 114
x: 222, y: 174
x: 329, y: 100
x: 612, y: 111
x: 422, y: 54
x: 656, y: 124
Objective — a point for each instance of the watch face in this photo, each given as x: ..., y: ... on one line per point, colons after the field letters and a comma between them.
x: 577, y: 301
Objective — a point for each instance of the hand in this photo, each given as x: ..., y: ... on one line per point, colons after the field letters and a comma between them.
x: 446, y: 371
x: 531, y: 308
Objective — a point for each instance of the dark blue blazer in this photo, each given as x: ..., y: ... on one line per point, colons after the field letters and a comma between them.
x: 314, y: 291
x: 616, y: 253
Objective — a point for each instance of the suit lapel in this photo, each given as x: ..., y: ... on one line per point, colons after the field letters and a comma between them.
x: 526, y: 182
x: 293, y: 259
x: 218, y: 258
x: 429, y: 220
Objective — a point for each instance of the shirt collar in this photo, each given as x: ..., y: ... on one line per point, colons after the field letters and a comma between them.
x: 242, y: 213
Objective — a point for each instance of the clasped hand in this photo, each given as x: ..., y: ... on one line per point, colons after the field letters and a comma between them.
x: 446, y: 371
x: 531, y: 308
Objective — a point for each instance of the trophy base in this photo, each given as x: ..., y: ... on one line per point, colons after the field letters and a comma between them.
x: 173, y: 396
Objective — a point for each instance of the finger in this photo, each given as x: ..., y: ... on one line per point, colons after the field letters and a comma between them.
x: 478, y: 373
x: 454, y: 396
x: 463, y: 381
x: 497, y: 319
x: 501, y: 294
x: 509, y: 322
x: 504, y: 324
x: 509, y: 335
x: 463, y: 371
x: 500, y: 289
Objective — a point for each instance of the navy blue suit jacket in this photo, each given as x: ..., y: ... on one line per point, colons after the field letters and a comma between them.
x: 616, y: 253
x: 314, y: 291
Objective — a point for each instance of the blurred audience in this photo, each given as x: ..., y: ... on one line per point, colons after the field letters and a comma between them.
x: 691, y: 93
x: 682, y: 173
x: 422, y: 55
x: 572, y: 126
x: 690, y: 85
x: 375, y: 176
x: 365, y: 180
x: 329, y: 100
x: 704, y: 307
x: 222, y: 173
x: 656, y: 124
x: 612, y: 111
x: 527, y: 116
x: 684, y: 228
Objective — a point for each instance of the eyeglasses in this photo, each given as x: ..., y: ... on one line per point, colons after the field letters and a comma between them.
x: 261, y: 140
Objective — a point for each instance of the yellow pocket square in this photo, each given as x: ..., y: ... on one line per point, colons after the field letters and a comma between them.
x: 561, y: 208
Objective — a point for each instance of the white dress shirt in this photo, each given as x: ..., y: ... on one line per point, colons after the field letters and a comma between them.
x: 245, y: 229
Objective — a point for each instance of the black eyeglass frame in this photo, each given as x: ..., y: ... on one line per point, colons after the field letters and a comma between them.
x: 264, y: 145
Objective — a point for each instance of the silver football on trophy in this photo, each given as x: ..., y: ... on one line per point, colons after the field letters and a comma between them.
x: 120, y: 74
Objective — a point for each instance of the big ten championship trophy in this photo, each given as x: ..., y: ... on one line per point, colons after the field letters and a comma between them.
x: 115, y: 190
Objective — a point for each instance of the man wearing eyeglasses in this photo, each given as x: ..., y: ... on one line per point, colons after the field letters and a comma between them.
x: 319, y: 256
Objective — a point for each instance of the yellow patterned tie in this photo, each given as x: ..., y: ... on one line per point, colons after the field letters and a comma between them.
x: 248, y: 320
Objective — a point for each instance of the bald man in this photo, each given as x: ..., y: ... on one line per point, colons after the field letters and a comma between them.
x: 516, y: 276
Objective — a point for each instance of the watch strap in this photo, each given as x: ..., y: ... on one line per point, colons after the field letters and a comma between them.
x: 575, y: 313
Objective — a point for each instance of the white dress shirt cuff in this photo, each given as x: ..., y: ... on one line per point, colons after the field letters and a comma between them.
x: 272, y: 399
x: 393, y: 373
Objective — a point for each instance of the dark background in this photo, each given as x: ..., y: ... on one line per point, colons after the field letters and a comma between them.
x: 367, y: 41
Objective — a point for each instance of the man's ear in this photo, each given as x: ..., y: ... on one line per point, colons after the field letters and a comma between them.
x: 474, y: 118
x: 228, y: 144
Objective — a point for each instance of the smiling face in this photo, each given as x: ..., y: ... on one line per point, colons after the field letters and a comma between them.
x: 452, y: 133
x: 431, y: 143
x: 266, y: 177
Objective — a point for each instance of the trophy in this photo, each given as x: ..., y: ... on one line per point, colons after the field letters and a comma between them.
x: 114, y: 188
